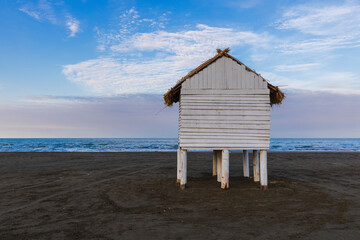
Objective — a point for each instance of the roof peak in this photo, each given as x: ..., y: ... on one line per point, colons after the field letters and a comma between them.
x: 173, y: 94
x: 226, y: 50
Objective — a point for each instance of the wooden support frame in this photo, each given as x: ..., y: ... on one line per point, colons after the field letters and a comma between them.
x: 263, y: 170
x: 221, y: 167
x: 183, y: 168
x: 246, y: 171
x: 178, y: 169
x: 218, y: 165
x: 214, y: 173
x: 256, y: 165
x: 225, y: 169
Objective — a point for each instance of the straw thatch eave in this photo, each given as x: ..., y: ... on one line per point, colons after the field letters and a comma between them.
x: 173, y: 94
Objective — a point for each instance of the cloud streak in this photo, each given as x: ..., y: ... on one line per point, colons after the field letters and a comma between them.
x: 41, y: 10
x: 138, y: 59
x: 323, y: 20
x: 30, y: 13
x: 53, y: 12
x: 329, y: 27
x: 175, y: 54
x: 295, y: 67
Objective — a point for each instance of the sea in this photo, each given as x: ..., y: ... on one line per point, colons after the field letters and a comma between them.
x: 161, y: 144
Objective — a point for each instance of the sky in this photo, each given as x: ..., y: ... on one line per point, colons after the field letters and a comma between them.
x: 89, y: 68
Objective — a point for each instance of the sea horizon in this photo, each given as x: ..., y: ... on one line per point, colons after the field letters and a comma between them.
x: 161, y: 144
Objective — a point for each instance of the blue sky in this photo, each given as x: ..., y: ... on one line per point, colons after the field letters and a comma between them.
x: 98, y: 68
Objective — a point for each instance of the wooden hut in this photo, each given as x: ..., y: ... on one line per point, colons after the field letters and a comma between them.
x: 224, y: 105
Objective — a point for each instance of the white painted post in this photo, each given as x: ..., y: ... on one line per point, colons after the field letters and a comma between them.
x: 183, y: 179
x: 256, y: 169
x: 246, y: 163
x: 263, y: 170
x: 214, y: 162
x: 225, y: 169
x: 178, y: 165
x: 218, y: 167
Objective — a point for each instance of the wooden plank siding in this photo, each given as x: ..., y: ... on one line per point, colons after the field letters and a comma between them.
x: 224, y: 107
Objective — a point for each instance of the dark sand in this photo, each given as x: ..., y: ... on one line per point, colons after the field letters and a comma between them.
x: 134, y: 196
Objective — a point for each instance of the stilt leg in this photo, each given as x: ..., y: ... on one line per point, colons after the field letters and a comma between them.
x: 183, y: 179
x: 218, y: 167
x: 225, y: 169
x: 246, y: 163
x: 263, y: 170
x: 178, y: 166
x: 256, y: 165
x: 214, y: 162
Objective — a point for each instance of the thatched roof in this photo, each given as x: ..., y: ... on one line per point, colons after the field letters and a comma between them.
x: 173, y: 94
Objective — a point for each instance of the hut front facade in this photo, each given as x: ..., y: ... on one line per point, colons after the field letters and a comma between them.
x: 224, y: 105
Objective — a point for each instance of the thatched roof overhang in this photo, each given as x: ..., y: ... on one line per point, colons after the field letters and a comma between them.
x: 173, y: 94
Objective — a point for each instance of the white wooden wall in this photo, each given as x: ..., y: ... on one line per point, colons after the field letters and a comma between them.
x: 224, y: 107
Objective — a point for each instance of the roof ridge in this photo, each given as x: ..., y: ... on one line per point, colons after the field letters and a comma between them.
x: 172, y: 95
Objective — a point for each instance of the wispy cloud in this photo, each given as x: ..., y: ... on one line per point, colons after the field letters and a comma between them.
x: 317, y: 80
x: 31, y: 13
x: 323, y: 20
x: 172, y: 55
x: 130, y: 22
x: 50, y: 99
x: 202, y: 40
x: 137, y: 58
x: 327, y: 27
x: 318, y: 44
x: 295, y: 67
x: 73, y: 25
x: 40, y: 10
x: 53, y: 12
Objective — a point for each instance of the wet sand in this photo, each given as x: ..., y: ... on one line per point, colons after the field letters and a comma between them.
x: 135, y: 196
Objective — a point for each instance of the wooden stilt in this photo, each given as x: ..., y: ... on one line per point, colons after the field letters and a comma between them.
x: 214, y: 162
x: 246, y: 163
x: 256, y: 170
x: 218, y: 167
x: 225, y: 169
x: 263, y: 170
x: 178, y: 166
x: 183, y: 179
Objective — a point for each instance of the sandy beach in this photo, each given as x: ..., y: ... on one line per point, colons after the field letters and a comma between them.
x: 135, y: 196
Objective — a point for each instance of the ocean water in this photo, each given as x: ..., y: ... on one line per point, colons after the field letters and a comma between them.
x: 161, y: 144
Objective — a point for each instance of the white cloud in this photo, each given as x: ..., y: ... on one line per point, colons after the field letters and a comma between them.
x: 318, y: 44
x: 31, y: 13
x: 73, y: 25
x: 128, y: 23
x: 117, y: 76
x: 177, y: 53
x: 193, y: 42
x: 41, y: 10
x: 53, y: 12
x: 325, y: 27
x: 323, y: 20
x: 139, y: 59
x: 330, y: 81
x: 295, y: 67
